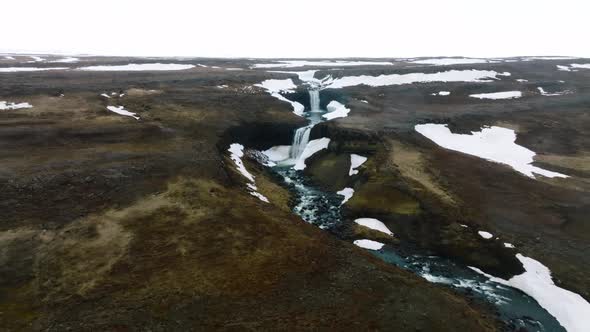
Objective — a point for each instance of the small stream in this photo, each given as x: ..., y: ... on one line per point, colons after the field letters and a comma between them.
x: 519, y: 311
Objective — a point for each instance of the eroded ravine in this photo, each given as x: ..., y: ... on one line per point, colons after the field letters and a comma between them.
x: 321, y: 208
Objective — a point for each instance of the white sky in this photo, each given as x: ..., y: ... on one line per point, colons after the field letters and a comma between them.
x: 297, y: 28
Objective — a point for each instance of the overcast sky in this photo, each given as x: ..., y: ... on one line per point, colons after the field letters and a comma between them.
x: 297, y: 28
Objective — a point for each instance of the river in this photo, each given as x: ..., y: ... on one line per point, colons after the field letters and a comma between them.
x: 519, y: 311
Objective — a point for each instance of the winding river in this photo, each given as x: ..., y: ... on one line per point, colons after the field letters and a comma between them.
x: 519, y: 311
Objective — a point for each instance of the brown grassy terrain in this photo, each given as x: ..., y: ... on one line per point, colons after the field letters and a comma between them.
x: 111, y: 223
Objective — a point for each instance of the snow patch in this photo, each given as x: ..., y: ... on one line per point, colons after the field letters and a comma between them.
x: 573, y: 67
x: 399, y: 79
x: 281, y: 86
x: 545, y: 93
x: 582, y: 66
x: 485, y: 235
x: 369, y: 244
x: 451, y: 61
x: 35, y: 58
x: 311, y: 148
x: 521, y: 80
x: 374, y: 224
x: 347, y: 193
x: 492, y: 143
x: 236, y: 153
x: 276, y: 87
x: 276, y: 154
x: 569, y: 308
x: 66, y: 60
x: 508, y: 245
x: 307, y: 76
x: 25, y: 69
x: 336, y: 110
x: 121, y: 110
x: 442, y: 93
x: 325, y: 63
x: 355, y: 162
x: 13, y: 106
x: 260, y: 196
x: 498, y: 95
x: 139, y: 67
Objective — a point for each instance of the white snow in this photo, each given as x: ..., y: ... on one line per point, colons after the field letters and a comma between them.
x: 139, y: 67
x: 498, y: 95
x: 508, y: 245
x: 551, y: 57
x: 66, y: 60
x: 485, y: 235
x: 570, y: 309
x: 311, y: 148
x: 336, y: 110
x: 276, y: 87
x: 298, y: 108
x: 13, y: 106
x: 35, y: 58
x: 374, y: 224
x: 491, y: 143
x: 347, y: 193
x: 260, y: 196
x: 105, y: 95
x: 24, y: 69
x: 236, y: 153
x: 278, y: 153
x: 450, y: 61
x: 369, y: 244
x: 573, y: 67
x: 121, y: 110
x: 273, y: 85
x: 8, y: 57
x: 545, y: 93
x: 325, y: 63
x: 442, y: 93
x: 364, y: 101
x: 355, y: 161
x: 398, y: 79
x: 582, y: 66
x: 307, y: 76
x: 521, y: 80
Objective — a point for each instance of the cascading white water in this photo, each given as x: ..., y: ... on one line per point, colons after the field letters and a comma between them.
x: 300, y: 140
x: 314, y: 100
x: 301, y: 137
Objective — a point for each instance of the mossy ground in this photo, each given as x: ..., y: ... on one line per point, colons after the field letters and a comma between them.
x: 115, y: 224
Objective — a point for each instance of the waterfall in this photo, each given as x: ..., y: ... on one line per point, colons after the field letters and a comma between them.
x: 300, y: 140
x: 314, y: 100
x: 301, y: 137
